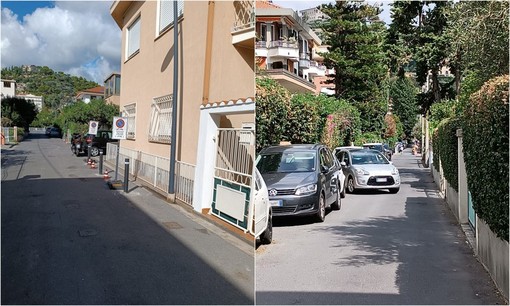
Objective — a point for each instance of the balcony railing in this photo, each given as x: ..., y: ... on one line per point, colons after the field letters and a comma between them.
x: 245, y: 16
x: 261, y: 44
x: 282, y: 43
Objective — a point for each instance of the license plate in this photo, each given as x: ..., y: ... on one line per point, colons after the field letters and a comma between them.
x: 381, y: 179
x: 276, y: 203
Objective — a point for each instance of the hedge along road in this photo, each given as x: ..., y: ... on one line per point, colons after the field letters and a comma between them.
x: 68, y: 239
x: 380, y: 248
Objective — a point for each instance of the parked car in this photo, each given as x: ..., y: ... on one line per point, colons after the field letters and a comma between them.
x: 347, y: 148
x: 301, y: 179
x: 97, y: 142
x: 381, y: 147
x: 53, y: 132
x: 368, y: 169
x: 262, y: 217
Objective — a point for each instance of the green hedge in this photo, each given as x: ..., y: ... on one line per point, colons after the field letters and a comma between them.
x: 271, y: 111
x: 435, y: 149
x: 303, y: 120
x: 448, y: 145
x: 485, y: 143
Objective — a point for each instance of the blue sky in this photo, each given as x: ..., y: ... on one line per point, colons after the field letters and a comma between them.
x: 76, y: 37
x: 22, y: 8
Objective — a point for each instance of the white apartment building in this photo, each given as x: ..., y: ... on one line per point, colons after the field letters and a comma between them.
x: 37, y: 100
x: 8, y: 88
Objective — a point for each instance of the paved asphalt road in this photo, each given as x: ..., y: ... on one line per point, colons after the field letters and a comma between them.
x: 380, y: 248
x: 68, y: 239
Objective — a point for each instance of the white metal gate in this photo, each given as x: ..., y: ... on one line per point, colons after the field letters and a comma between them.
x: 235, y: 156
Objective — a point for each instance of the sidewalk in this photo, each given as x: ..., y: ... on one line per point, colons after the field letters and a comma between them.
x: 147, y: 197
x: 407, y: 155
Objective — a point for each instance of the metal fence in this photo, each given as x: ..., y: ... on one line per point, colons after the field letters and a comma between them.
x: 155, y: 170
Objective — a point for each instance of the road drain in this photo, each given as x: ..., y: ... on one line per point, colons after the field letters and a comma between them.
x: 172, y: 225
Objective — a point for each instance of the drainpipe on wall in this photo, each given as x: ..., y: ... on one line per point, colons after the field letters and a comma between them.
x: 171, y: 181
x: 208, y: 52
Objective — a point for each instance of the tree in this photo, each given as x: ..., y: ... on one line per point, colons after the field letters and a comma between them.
x: 422, y: 24
x: 18, y: 111
x: 77, y: 116
x: 403, y: 93
x: 478, y: 35
x: 45, y: 117
x: 355, y: 35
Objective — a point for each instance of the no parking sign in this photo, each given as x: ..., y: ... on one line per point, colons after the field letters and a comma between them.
x: 119, y: 128
x: 93, y: 127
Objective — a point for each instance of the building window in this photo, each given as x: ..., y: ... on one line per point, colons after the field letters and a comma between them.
x: 7, y: 84
x: 166, y: 13
x: 160, y: 129
x: 263, y: 32
x: 117, y: 85
x: 130, y: 113
x: 133, y: 38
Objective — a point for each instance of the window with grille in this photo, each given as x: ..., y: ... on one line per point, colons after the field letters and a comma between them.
x: 166, y: 13
x: 161, y: 119
x: 130, y: 113
x: 133, y: 38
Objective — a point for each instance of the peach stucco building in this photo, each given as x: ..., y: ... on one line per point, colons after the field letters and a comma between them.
x: 215, y: 107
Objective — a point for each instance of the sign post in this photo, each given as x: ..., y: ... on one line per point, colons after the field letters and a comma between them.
x: 119, y: 132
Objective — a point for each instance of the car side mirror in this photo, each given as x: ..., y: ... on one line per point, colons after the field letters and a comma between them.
x: 343, y: 164
x: 324, y: 169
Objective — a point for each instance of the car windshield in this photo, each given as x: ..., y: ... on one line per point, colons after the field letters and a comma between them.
x: 367, y: 158
x: 283, y: 162
x: 374, y: 147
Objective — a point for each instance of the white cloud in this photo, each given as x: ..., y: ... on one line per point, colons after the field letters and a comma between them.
x: 77, y: 37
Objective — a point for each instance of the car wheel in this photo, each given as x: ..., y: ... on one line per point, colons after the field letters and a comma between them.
x: 321, y: 213
x: 394, y: 190
x: 338, y: 204
x: 350, y: 185
x: 267, y: 235
x: 94, y: 151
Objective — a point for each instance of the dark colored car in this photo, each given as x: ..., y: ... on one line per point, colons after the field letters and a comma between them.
x: 53, y: 132
x: 381, y: 147
x: 301, y: 179
x: 97, y: 142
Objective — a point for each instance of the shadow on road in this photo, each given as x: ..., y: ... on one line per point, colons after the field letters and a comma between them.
x: 73, y: 241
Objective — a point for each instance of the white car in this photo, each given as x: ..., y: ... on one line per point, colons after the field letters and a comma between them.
x: 368, y: 169
x: 262, y: 217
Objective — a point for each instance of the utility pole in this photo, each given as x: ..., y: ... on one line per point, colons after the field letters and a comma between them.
x: 171, y: 180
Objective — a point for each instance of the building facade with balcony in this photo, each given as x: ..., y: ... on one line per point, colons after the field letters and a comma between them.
x: 215, y: 107
x: 112, y: 89
x: 287, y: 49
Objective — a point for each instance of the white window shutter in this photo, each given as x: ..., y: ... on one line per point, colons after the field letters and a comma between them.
x: 133, y: 37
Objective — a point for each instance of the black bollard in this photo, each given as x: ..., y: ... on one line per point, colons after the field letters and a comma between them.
x: 100, y: 162
x: 88, y: 152
x: 126, y: 174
